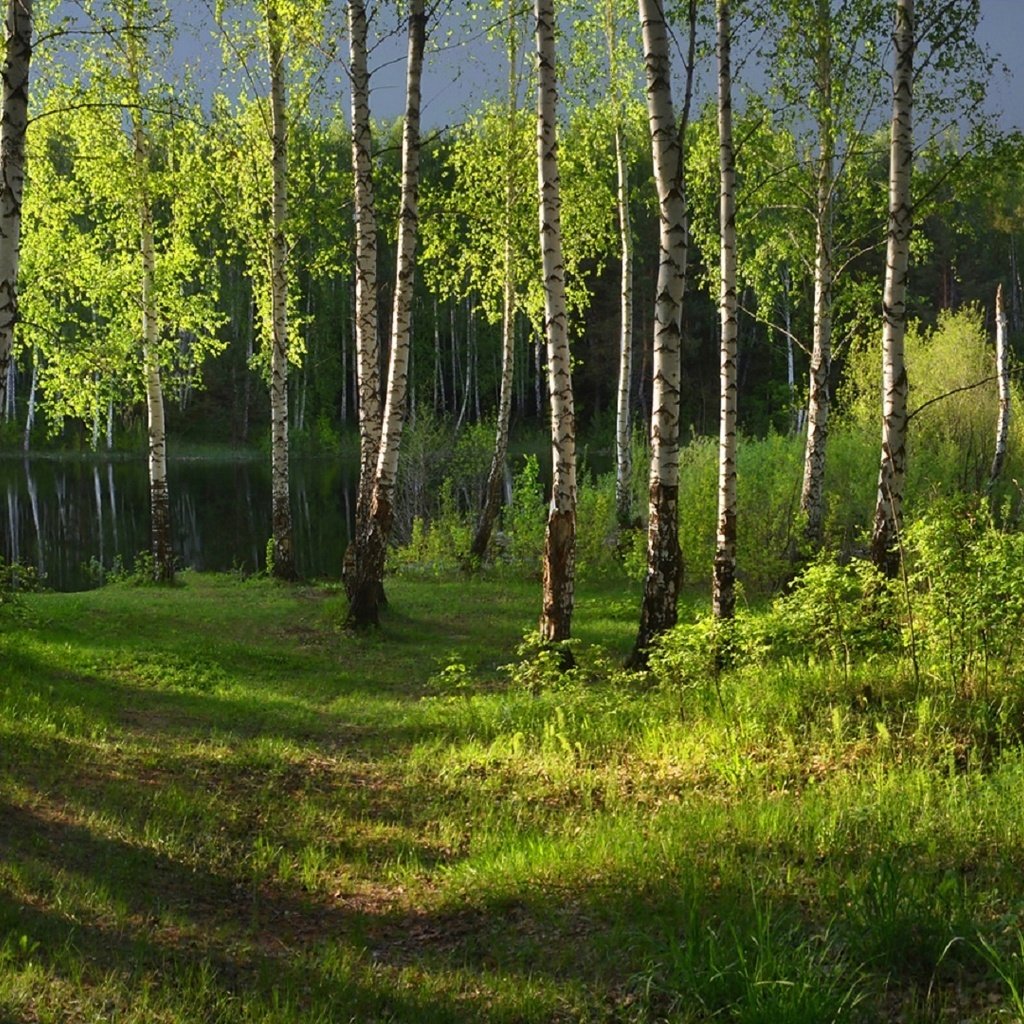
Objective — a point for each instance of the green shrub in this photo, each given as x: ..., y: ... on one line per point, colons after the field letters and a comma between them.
x: 968, y: 577
x: 525, y: 517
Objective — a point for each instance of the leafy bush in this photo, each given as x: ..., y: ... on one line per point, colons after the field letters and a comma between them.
x: 16, y: 579
x: 954, y: 401
x: 968, y: 576
x: 525, y: 517
x: 839, y: 611
x: 436, y: 544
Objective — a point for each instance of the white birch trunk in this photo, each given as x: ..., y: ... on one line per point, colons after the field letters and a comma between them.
x: 888, y: 520
x: 159, y: 500
x: 623, y: 447
x: 623, y: 422
x: 281, y: 527
x: 664, y: 559
x: 13, y: 123
x: 560, y: 534
x: 496, y: 475
x: 723, y: 591
x: 366, y: 312
x: 812, y: 492
x: 1003, y: 375
x: 367, y: 591
x: 30, y: 412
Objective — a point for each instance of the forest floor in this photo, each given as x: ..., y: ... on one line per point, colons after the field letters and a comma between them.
x: 217, y: 805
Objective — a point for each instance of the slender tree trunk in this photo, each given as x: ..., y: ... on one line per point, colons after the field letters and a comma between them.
x: 496, y: 475
x: 13, y: 122
x: 1016, y: 299
x: 664, y: 559
x: 467, y: 388
x: 345, y: 342
x: 1003, y: 373
x: 366, y: 312
x: 812, y: 493
x: 723, y: 590
x: 7, y: 410
x: 439, y: 402
x: 281, y: 528
x: 892, y: 471
x: 30, y: 412
x: 797, y: 420
x: 159, y: 500
x: 560, y: 534
x: 623, y: 447
x: 367, y: 589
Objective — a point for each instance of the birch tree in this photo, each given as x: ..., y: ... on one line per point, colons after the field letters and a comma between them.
x: 13, y: 124
x: 560, y: 533
x: 283, y: 562
x: 159, y: 501
x: 496, y: 473
x: 664, y: 558
x: 367, y: 584
x: 255, y: 150
x: 822, y: 62
x: 1003, y: 377
x: 366, y: 316
x: 888, y: 521
x: 113, y: 268
x: 606, y: 79
x: 723, y: 590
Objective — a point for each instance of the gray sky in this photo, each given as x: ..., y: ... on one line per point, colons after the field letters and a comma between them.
x: 468, y: 68
x: 1002, y: 29
x: 462, y: 75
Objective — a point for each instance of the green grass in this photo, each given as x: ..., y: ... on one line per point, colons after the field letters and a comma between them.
x: 217, y: 805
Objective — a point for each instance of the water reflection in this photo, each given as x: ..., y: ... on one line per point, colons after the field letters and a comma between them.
x: 65, y: 513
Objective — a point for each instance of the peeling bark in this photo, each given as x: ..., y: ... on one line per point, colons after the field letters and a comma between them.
x: 13, y: 123
x: 664, y: 558
x: 560, y: 534
x: 366, y: 590
x: 888, y: 521
x: 723, y: 588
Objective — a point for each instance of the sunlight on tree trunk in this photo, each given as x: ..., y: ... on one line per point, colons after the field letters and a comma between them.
x: 366, y: 313
x: 812, y: 492
x: 368, y: 584
x: 888, y: 521
x: 1003, y: 375
x: 560, y: 535
x: 664, y: 559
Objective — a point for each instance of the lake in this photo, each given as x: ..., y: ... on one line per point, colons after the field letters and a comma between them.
x: 69, y: 515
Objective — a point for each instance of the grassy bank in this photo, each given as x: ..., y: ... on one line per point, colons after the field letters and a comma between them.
x: 216, y: 805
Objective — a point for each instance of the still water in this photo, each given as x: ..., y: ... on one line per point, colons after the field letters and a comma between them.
x: 63, y: 515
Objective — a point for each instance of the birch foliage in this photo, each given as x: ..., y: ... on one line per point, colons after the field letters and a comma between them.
x: 80, y: 269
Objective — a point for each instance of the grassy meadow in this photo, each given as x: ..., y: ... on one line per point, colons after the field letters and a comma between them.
x: 217, y: 805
